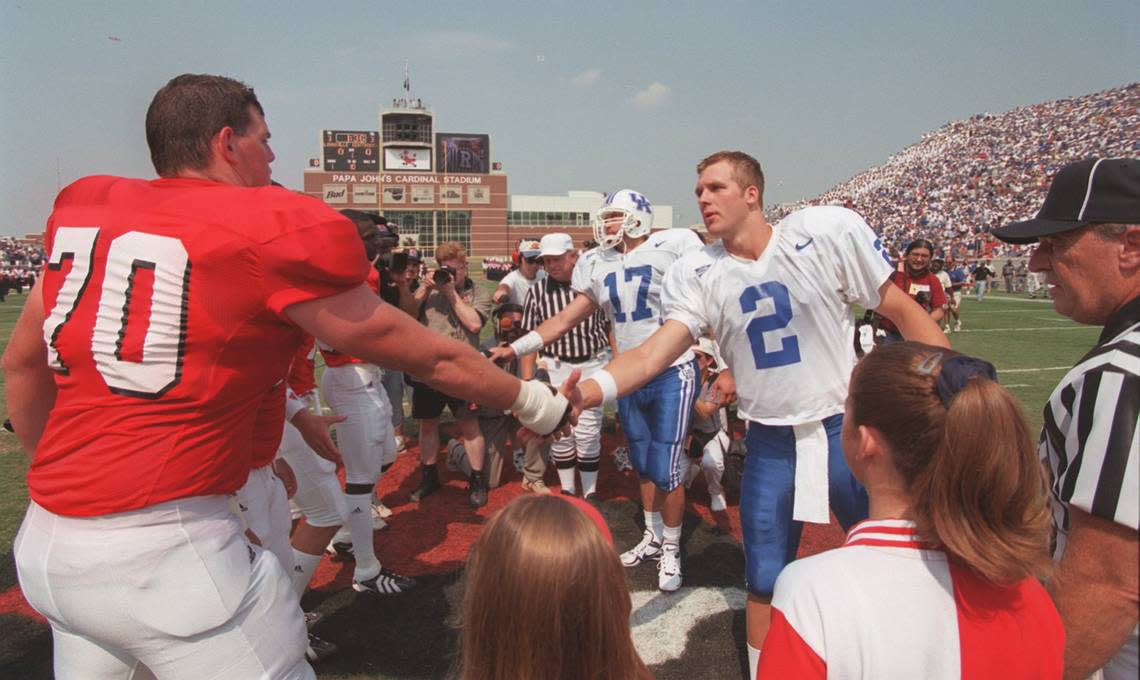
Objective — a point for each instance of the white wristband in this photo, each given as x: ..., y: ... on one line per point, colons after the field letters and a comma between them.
x: 527, y: 344
x: 538, y: 407
x: 606, y: 384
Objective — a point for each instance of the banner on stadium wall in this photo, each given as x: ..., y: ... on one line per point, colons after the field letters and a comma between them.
x: 335, y: 193
x: 462, y: 153
x: 423, y: 194
x: 364, y: 193
x: 479, y: 195
x: 407, y: 158
x: 396, y: 194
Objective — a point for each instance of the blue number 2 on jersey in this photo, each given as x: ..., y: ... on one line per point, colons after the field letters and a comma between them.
x: 789, y: 352
x: 641, y: 310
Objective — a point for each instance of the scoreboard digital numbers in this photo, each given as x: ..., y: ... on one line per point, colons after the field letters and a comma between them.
x: 349, y: 150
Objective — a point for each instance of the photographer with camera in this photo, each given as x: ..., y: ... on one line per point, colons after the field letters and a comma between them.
x: 449, y: 303
x: 919, y: 283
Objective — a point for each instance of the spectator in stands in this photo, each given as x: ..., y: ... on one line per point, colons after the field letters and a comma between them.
x: 451, y: 304
x: 546, y: 597
x: 1088, y: 235
x: 959, y: 182
x: 957, y: 537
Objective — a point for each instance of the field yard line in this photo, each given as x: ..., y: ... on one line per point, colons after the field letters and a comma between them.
x: 1017, y: 385
x: 1051, y: 318
x: 1038, y: 328
x: 1034, y: 370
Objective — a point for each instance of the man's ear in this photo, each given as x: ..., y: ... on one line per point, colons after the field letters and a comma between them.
x: 222, y: 145
x: 1130, y: 255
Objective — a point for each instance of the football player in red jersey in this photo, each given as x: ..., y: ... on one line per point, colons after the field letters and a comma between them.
x: 167, y: 310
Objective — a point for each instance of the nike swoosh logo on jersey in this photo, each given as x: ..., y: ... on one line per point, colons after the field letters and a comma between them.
x: 805, y: 244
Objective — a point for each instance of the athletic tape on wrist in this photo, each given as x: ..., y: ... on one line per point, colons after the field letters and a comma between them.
x: 527, y: 344
x: 606, y: 384
x: 539, y: 408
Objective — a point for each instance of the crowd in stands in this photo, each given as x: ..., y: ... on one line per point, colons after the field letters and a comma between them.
x: 966, y: 178
x: 19, y: 263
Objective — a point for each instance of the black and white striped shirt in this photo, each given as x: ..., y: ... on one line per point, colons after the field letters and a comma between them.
x: 582, y: 342
x: 1091, y: 436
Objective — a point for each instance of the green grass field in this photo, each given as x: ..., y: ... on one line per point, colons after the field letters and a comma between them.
x: 1029, y: 343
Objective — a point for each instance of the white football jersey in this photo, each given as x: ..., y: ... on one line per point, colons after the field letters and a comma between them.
x: 784, y: 322
x: 628, y: 285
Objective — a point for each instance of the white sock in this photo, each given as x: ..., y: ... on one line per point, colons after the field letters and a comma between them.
x: 753, y: 661
x: 671, y: 536
x: 566, y: 479
x: 359, y: 523
x: 304, y: 565
x: 589, y: 482
x: 654, y: 523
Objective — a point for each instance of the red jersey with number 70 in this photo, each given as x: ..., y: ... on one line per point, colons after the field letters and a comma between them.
x: 164, y: 303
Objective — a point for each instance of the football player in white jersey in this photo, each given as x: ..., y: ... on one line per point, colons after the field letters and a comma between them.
x: 779, y: 299
x: 623, y: 275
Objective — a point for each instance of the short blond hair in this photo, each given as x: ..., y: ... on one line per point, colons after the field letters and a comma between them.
x: 746, y: 170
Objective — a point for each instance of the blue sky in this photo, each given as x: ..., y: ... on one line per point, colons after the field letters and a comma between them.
x: 575, y: 95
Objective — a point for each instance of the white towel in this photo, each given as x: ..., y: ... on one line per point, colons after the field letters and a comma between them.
x: 811, y: 501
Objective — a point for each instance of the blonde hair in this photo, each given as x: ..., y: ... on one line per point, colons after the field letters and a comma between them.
x: 545, y: 598
x: 450, y: 250
x: 977, y: 488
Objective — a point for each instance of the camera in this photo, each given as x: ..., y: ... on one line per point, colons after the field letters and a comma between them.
x: 443, y: 275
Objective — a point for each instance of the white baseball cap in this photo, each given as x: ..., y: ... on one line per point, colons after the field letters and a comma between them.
x: 555, y: 244
x: 706, y: 345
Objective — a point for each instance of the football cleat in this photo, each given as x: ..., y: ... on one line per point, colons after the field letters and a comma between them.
x: 649, y: 549
x: 319, y: 649
x: 341, y: 551
x: 669, y: 569
x: 387, y: 582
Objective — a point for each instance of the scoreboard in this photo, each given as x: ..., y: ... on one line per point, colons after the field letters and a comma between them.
x: 350, y: 150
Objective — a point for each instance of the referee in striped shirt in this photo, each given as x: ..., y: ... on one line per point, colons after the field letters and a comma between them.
x: 1088, y: 235
x: 583, y: 347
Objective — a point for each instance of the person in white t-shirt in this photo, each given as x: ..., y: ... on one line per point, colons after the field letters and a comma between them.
x: 514, y: 286
x: 779, y: 301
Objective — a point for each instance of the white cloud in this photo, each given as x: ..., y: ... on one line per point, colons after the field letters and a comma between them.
x: 588, y: 77
x: 653, y: 95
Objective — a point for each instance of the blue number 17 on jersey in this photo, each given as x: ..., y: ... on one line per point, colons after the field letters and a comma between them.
x: 789, y: 352
x: 641, y: 310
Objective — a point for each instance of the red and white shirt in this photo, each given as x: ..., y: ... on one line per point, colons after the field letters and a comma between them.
x: 165, y: 323
x: 887, y: 605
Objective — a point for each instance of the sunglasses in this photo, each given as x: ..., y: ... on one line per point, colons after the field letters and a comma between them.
x: 537, y: 259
